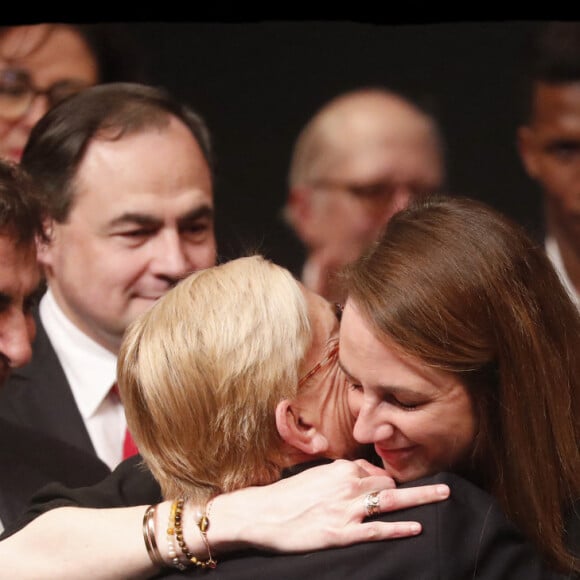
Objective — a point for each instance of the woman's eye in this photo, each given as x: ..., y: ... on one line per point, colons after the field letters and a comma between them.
x: 405, y: 405
x: 408, y: 406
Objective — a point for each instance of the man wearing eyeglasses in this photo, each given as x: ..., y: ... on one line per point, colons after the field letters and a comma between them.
x: 360, y: 159
x: 40, y: 65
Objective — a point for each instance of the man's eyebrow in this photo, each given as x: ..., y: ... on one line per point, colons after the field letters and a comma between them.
x: 135, y: 218
x: 204, y: 211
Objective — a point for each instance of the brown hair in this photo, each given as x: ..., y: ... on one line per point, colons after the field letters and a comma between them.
x: 463, y: 289
x: 21, y: 211
x: 58, y: 142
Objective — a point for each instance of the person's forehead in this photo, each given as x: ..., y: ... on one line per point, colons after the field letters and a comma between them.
x: 377, y: 162
x: 369, y: 149
x: 150, y: 163
x: 556, y: 102
x: 49, y: 53
x: 17, y: 42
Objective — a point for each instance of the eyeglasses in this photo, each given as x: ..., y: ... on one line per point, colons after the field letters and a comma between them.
x: 330, y: 357
x: 17, y: 92
x: 381, y: 190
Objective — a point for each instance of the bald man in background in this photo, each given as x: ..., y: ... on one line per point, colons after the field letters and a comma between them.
x: 362, y: 157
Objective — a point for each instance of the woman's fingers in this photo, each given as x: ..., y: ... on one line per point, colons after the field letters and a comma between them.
x: 390, y: 500
x: 322, y: 507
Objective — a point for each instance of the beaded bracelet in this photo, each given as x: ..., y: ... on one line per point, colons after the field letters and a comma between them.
x: 149, y: 536
x: 177, y: 563
x: 175, y: 528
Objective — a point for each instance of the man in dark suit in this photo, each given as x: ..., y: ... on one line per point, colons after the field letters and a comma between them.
x: 27, y: 460
x: 126, y: 173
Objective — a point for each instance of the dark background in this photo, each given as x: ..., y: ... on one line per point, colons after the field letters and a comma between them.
x: 257, y: 83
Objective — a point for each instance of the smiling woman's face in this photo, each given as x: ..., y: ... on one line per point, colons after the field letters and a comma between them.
x: 419, y: 419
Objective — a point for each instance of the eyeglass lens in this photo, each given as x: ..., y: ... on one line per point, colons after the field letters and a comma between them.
x: 17, y: 92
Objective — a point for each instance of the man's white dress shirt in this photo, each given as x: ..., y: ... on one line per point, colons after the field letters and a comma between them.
x: 555, y: 256
x: 91, y: 371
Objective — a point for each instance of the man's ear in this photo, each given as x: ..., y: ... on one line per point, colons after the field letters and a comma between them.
x: 528, y: 150
x: 297, y: 432
x: 299, y: 208
x: 43, y: 245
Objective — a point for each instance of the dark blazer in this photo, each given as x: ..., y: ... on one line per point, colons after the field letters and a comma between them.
x: 464, y: 537
x: 39, y: 397
x: 29, y: 460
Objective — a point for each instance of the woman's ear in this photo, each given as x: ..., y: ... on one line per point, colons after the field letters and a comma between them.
x: 297, y: 432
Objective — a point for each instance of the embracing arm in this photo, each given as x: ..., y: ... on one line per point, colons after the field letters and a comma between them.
x: 319, y: 508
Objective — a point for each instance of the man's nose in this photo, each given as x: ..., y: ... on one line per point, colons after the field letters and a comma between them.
x: 170, y: 259
x: 16, y: 336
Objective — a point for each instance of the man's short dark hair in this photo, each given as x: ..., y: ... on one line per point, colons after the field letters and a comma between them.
x: 552, y: 52
x: 58, y: 142
x: 21, y: 211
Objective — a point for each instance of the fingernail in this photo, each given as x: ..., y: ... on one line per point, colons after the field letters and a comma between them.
x: 415, y: 528
x: 443, y: 490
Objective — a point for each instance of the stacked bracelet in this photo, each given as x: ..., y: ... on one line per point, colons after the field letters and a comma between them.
x: 175, y: 529
x: 149, y: 536
x: 177, y: 563
x: 203, y: 525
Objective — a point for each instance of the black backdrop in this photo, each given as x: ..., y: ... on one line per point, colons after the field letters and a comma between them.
x: 257, y: 83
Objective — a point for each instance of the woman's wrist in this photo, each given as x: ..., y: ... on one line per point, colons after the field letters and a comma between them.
x: 181, y: 535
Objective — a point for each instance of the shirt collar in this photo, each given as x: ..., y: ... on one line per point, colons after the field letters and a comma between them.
x: 553, y: 252
x: 90, y: 368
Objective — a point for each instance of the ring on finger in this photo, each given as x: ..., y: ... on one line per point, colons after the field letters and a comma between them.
x: 371, y: 503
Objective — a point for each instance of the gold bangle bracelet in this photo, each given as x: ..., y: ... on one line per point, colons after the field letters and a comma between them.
x: 149, y: 536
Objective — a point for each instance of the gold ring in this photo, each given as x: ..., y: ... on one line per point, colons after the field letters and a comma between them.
x: 372, y: 506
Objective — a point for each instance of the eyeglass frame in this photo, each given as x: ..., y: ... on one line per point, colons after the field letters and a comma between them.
x: 371, y: 191
x: 31, y: 91
x: 338, y: 308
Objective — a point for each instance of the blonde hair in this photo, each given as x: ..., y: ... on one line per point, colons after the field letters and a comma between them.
x: 201, y: 373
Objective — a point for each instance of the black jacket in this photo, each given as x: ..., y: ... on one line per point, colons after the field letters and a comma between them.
x: 464, y: 537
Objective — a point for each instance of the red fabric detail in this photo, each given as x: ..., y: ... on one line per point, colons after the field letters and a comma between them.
x: 129, y: 447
